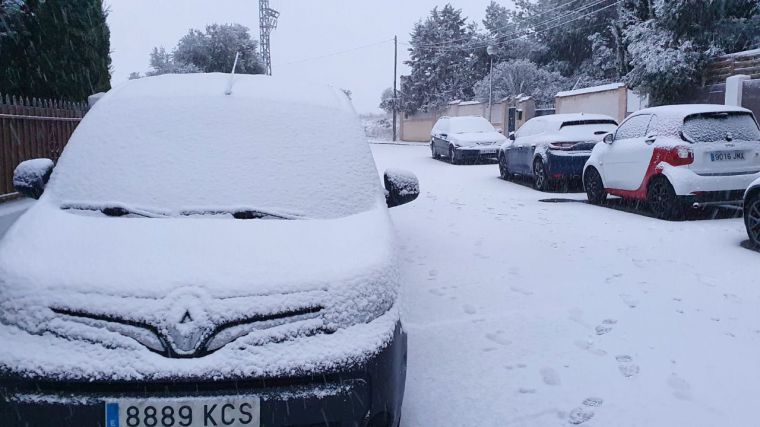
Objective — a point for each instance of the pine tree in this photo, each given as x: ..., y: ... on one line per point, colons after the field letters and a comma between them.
x: 444, y: 65
x: 55, y: 49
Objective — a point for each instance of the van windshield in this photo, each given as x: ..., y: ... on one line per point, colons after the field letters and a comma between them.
x: 216, y: 154
x: 722, y: 126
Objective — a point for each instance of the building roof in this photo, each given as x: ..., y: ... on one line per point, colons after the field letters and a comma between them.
x: 593, y: 89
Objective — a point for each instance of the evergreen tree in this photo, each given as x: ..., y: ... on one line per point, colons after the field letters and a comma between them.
x: 54, y: 48
x: 444, y: 65
x: 670, y: 42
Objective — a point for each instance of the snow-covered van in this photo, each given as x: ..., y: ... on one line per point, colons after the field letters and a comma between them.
x: 198, y: 258
x: 677, y: 156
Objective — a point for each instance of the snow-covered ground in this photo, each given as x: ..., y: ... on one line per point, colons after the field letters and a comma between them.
x: 521, y: 312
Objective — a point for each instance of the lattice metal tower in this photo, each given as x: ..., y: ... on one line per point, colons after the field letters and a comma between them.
x: 267, y: 23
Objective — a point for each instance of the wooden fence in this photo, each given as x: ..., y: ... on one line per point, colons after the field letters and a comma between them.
x: 33, y: 128
x: 723, y: 67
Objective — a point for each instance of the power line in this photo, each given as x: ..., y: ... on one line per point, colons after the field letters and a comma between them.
x: 341, y: 52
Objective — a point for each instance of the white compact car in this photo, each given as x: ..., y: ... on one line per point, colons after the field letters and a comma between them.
x: 465, y: 138
x: 677, y: 156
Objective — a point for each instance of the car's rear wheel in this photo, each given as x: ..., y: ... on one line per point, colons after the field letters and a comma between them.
x: 592, y: 183
x: 453, y: 155
x: 506, y: 175
x: 663, y: 200
x: 540, y: 179
x: 752, y: 218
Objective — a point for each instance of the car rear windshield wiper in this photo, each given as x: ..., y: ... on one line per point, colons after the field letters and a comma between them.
x: 113, y: 210
x: 244, y: 213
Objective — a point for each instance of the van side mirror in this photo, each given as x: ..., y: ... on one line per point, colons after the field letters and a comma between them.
x: 401, y: 187
x: 31, y: 176
x: 609, y: 138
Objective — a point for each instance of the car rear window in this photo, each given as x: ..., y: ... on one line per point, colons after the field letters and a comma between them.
x: 722, y: 126
x: 588, y: 122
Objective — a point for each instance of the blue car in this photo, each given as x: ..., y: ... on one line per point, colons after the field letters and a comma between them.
x: 554, y: 148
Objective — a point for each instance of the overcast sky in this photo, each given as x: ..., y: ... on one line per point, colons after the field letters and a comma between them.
x: 307, y: 29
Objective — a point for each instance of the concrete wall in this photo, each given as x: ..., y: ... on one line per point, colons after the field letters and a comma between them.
x: 417, y: 127
x: 613, y: 103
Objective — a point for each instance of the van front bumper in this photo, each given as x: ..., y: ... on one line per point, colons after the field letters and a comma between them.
x: 369, y: 394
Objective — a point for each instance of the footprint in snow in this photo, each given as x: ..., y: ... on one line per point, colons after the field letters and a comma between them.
x: 681, y: 388
x: 437, y: 292
x: 605, y: 327
x: 550, y: 376
x: 523, y: 390
x: 613, y: 278
x: 589, y: 346
x: 469, y: 309
x: 580, y: 415
x: 520, y: 291
x: 583, y: 413
x: 630, y: 301
x: 626, y: 366
x: 499, y: 338
x: 593, y: 401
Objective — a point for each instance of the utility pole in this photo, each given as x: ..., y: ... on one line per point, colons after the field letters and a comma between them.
x: 491, y: 51
x: 395, y: 78
x: 267, y: 23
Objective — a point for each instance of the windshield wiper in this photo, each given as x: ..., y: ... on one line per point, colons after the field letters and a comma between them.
x: 113, y: 210
x: 243, y: 213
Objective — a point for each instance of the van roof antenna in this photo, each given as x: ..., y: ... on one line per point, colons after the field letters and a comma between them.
x: 232, y: 75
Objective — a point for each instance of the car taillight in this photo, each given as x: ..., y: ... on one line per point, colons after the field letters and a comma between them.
x: 676, y: 156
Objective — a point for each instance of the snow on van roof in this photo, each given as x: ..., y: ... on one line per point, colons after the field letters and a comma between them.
x: 259, y: 87
x: 684, y: 110
x: 592, y: 89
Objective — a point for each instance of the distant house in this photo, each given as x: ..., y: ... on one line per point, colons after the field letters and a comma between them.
x: 506, y: 114
x: 614, y: 100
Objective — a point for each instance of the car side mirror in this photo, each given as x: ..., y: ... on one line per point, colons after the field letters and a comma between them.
x: 444, y: 135
x: 31, y: 176
x: 401, y: 187
x: 609, y: 138
x: 512, y: 136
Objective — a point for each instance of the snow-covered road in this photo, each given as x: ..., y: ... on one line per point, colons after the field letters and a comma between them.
x: 521, y: 312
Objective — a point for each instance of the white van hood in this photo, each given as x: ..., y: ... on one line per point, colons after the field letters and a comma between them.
x: 155, y: 271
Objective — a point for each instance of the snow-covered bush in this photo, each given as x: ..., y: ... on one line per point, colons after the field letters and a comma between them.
x: 522, y: 77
